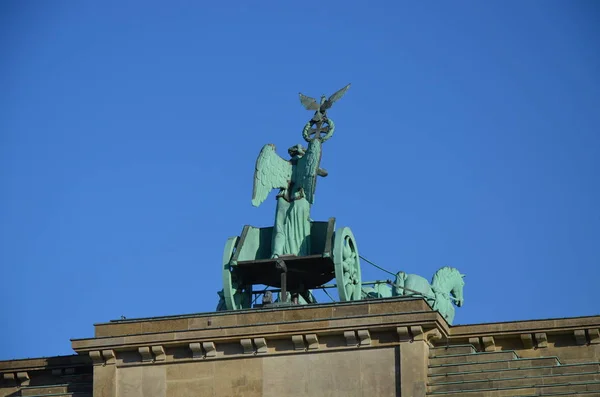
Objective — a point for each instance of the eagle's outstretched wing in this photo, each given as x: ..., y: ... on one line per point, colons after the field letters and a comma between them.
x: 272, y: 172
x: 337, y: 95
x: 309, y: 103
x: 309, y: 164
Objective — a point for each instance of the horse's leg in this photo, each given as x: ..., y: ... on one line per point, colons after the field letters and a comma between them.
x: 398, y: 287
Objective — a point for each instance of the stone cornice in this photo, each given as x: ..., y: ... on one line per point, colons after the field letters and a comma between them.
x: 428, y: 320
x: 35, y: 364
x: 550, y: 326
x: 253, y: 317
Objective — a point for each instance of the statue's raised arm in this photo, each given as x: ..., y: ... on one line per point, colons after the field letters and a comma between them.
x: 271, y: 172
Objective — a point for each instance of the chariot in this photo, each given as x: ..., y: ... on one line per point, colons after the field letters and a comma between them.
x: 248, y: 262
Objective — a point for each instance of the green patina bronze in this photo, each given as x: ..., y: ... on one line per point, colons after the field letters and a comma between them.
x: 321, y: 107
x: 298, y: 254
x: 296, y: 180
x: 445, y: 289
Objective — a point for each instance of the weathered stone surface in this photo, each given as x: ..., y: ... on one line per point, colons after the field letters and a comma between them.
x: 109, y: 356
x: 413, y: 368
x: 159, y: 353
x: 150, y: 327
x: 298, y: 341
x: 580, y: 337
x: 497, y: 365
x: 331, y: 374
x: 9, y: 377
x: 488, y: 343
x: 240, y: 377
x: 196, y: 387
x: 145, y: 353
x: 417, y: 332
x: 433, y: 337
x: 247, y: 346
x: 44, y: 390
x: 154, y: 381
x: 450, y: 350
x: 472, y: 358
x: 394, y: 361
x: 312, y: 341
x: 218, y: 320
x: 527, y: 340
x: 403, y: 334
x: 215, y: 321
x: 118, y: 329
x: 404, y: 306
x: 105, y: 381
x: 96, y: 357
x: 594, y: 335
x: 196, y: 349
x: 190, y: 370
x: 350, y: 311
x: 516, y: 373
x: 350, y: 337
x: 261, y: 345
x: 311, y: 314
x: 23, y: 378
x: 364, y: 337
x: 514, y: 382
x: 476, y: 343
x: 210, y: 349
x: 519, y: 327
x: 541, y: 339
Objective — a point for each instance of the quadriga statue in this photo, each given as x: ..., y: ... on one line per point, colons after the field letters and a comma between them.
x: 445, y: 289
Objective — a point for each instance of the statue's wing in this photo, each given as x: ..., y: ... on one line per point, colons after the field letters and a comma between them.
x: 309, y: 164
x: 272, y: 172
x: 337, y: 95
x: 308, y: 102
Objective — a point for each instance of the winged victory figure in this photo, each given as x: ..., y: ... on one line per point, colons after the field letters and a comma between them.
x: 296, y: 180
x: 320, y: 108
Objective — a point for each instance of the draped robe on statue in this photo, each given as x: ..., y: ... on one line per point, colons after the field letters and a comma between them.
x: 291, y: 234
x: 296, y: 180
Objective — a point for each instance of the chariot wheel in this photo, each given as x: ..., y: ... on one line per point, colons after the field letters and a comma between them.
x: 237, y: 295
x: 347, y: 265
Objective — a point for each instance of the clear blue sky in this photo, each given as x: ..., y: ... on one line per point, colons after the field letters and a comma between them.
x: 129, y: 131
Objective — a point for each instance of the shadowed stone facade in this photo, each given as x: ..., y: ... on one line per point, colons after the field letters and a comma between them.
x: 388, y: 347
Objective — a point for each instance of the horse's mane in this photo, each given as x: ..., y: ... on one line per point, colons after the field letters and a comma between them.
x: 444, y: 275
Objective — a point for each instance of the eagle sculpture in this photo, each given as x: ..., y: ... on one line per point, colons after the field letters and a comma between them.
x: 320, y: 108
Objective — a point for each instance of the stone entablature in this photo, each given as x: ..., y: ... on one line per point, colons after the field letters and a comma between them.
x: 562, y: 337
x: 47, y: 375
x: 318, y: 315
x: 227, y: 335
x: 398, y: 346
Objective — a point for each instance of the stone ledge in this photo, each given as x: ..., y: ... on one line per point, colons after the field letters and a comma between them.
x: 428, y: 320
x: 251, y: 317
x: 42, y: 363
x: 548, y: 326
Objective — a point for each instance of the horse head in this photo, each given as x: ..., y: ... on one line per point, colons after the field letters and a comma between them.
x: 449, y: 280
x: 457, y: 289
